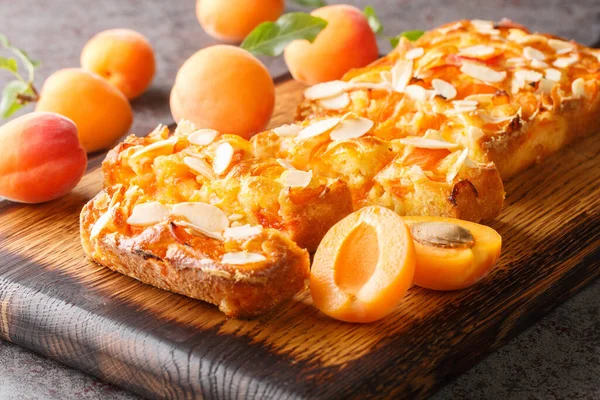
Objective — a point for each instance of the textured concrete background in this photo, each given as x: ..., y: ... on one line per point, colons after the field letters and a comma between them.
x: 558, y: 358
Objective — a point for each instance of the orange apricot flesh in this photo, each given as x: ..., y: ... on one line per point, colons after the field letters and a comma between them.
x: 42, y: 158
x: 232, y: 20
x: 446, y: 261
x: 123, y: 57
x: 347, y: 42
x: 364, y: 266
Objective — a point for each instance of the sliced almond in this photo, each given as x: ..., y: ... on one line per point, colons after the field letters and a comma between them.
x: 528, y: 75
x: 202, y: 137
x: 464, y: 103
x: 206, y: 216
x: 284, y: 163
x: 492, y: 119
x: 184, y: 127
x: 198, y: 229
x: 444, y: 89
x: 235, y: 217
x: 159, y: 148
x: 515, y: 61
x: 243, y: 231
x: 295, y: 178
x: 533, y: 54
x: 561, y: 46
x: 414, y: 53
x: 318, y: 128
x: 370, y: 85
x: 338, y: 102
x: 479, y: 50
x: 516, y: 34
x: 546, y: 85
x: 199, y: 166
x: 242, y: 257
x: 482, y: 72
x: 474, y: 133
x: 481, y: 97
x: 423, y: 143
x: 402, y: 74
x: 553, y: 74
x: 455, y: 169
x: 418, y: 93
x: 146, y: 214
x: 517, y: 85
x: 351, y: 128
x: 223, y: 157
x: 103, y: 221
x: 417, y: 172
x: 539, y: 64
x: 485, y: 27
x: 288, y: 130
x: 578, y: 87
x: 325, y: 90
x: 564, y: 62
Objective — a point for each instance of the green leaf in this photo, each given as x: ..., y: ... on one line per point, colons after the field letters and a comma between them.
x: 29, y: 63
x: 9, y: 64
x: 373, y: 20
x: 410, y: 35
x: 271, y: 38
x: 4, y: 40
x: 310, y: 3
x: 8, y: 103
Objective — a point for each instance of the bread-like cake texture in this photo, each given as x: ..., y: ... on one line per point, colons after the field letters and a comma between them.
x: 505, y: 94
x: 194, y: 213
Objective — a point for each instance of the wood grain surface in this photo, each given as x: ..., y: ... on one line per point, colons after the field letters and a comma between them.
x: 159, y: 344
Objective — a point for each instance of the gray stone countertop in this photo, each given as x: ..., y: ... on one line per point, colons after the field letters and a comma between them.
x: 557, y: 358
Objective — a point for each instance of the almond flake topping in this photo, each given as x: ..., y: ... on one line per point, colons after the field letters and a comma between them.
x: 578, y: 87
x: 479, y: 50
x: 242, y: 257
x: 402, y: 74
x: 414, y: 53
x: 464, y: 103
x: 288, y: 130
x: 162, y: 147
x: 103, y: 221
x: 295, y: 178
x: 205, y: 216
x: 538, y: 64
x: 528, y: 75
x: 338, y: 102
x: 235, y: 217
x: 318, y: 128
x: 419, y: 93
x: 516, y: 34
x: 417, y: 172
x: 146, y: 214
x: 474, y: 134
x: 223, y: 157
x: 423, y: 143
x: 202, y: 137
x: 561, y: 46
x: 324, y: 90
x: 546, y: 85
x: 200, y: 166
x: 481, y: 97
x: 243, y: 231
x: 564, y: 62
x: 284, y: 163
x: 533, y: 54
x: 351, y: 128
x: 486, y: 27
x: 553, y: 74
x: 184, y: 127
x: 444, y: 89
x: 199, y: 229
x: 482, y: 73
x: 370, y: 85
x: 455, y: 169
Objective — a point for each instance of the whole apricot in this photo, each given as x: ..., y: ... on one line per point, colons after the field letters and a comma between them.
x: 100, y: 111
x: 123, y: 57
x: 224, y: 88
x: 346, y: 42
x: 232, y: 20
x: 42, y: 158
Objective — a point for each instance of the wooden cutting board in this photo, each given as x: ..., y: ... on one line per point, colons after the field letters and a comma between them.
x: 159, y: 344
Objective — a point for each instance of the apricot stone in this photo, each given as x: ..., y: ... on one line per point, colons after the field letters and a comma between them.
x: 100, y: 111
x: 42, y: 158
x: 224, y: 88
x: 232, y: 20
x: 123, y: 57
x: 347, y: 42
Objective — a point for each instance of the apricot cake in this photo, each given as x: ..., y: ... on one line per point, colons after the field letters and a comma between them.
x: 506, y: 95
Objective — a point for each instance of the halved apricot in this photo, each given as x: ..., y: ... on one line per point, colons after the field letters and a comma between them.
x: 364, y: 266
x: 452, y: 254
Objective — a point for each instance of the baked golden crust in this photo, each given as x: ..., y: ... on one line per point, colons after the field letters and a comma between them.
x: 170, y: 256
x: 508, y: 95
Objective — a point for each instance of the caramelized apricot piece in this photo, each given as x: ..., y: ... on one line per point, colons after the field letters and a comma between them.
x: 364, y: 266
x: 452, y: 254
